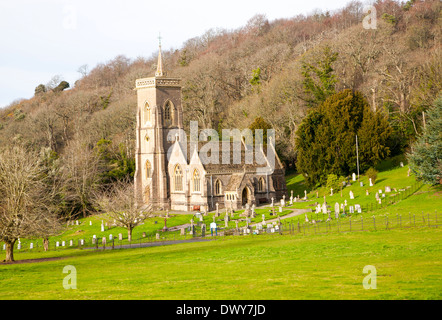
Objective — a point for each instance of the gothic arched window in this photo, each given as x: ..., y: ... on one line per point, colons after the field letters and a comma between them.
x: 261, y: 185
x: 147, y: 113
x: 148, y: 169
x: 178, y: 178
x: 168, y: 113
x: 218, y: 187
x: 196, y: 181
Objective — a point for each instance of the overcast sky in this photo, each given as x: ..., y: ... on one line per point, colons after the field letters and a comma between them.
x: 43, y: 38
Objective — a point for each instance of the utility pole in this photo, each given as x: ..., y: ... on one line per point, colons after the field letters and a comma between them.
x: 357, y: 154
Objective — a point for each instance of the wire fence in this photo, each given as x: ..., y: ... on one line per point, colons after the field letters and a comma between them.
x: 340, y: 225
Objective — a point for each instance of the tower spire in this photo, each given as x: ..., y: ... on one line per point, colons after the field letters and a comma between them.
x: 160, y: 71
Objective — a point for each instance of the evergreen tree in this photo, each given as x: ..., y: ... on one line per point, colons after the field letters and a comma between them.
x: 425, y: 158
x: 326, y: 139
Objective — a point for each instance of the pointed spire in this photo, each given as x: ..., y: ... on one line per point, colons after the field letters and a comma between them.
x: 159, y: 72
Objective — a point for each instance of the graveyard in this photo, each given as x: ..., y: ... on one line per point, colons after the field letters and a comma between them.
x: 287, y: 261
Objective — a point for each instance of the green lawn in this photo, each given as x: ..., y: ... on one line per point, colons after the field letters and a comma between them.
x: 312, y: 266
x: 260, y: 267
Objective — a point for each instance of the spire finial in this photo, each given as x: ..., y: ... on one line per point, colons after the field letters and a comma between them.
x: 159, y: 72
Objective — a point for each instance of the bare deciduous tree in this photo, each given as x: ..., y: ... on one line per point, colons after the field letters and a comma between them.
x: 24, y: 198
x: 120, y: 205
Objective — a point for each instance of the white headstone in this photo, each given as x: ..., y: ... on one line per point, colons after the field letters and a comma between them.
x: 111, y: 237
x: 71, y: 243
x: 352, y: 196
x: 19, y: 246
x: 280, y: 209
x: 57, y: 244
x: 90, y: 223
x: 324, y: 208
x: 336, y: 210
x: 63, y: 243
x: 387, y: 189
x: 352, y: 209
x: 354, y: 176
x: 31, y: 246
x: 371, y: 183
x: 120, y: 236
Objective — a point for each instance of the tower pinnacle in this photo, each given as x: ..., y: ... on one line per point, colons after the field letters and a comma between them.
x: 160, y: 71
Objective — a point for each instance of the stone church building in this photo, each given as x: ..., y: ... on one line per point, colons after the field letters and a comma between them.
x: 171, y: 174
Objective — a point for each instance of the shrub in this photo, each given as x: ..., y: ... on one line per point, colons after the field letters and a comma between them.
x: 372, y: 174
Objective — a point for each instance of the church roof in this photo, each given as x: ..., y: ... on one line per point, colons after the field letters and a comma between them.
x: 231, y: 157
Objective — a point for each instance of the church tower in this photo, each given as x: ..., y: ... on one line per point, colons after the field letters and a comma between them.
x: 159, y: 114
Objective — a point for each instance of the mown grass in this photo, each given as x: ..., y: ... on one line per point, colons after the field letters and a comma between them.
x: 260, y: 267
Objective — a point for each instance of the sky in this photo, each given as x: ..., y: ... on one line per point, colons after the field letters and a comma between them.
x: 40, y: 39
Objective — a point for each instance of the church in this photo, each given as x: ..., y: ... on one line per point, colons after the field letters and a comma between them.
x: 172, y: 174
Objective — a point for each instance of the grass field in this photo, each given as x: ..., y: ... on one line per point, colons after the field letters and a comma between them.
x: 273, y: 267
x: 266, y: 267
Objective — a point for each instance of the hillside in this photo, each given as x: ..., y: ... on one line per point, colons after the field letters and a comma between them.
x: 232, y: 77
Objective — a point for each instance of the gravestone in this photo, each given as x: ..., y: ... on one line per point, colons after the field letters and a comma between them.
x: 120, y: 237
x: 81, y: 242
x: 31, y: 246
x: 361, y: 184
x: 305, y: 194
x: 263, y: 218
x: 76, y: 222
x: 324, y: 208
x: 371, y: 183
x: 103, y: 241
x: 157, y: 236
x: 280, y: 209
x: 4, y: 246
x: 331, y: 192
x: 336, y: 210
x: 352, y: 209
x: 71, y: 243
x: 402, y: 164
x: 367, y: 193
x: 57, y: 244
x: 358, y: 208
x: 63, y: 243
x: 306, y: 218
x: 354, y: 176
x: 90, y: 223
x: 377, y: 196
x: 111, y: 236
x: 318, y: 208
x: 102, y: 226
x: 352, y: 196
x: 19, y: 246
x: 387, y: 189
x: 183, y: 232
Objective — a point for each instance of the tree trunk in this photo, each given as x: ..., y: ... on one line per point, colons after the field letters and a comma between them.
x: 46, y: 244
x: 10, y: 251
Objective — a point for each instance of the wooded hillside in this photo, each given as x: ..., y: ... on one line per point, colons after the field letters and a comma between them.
x: 231, y: 77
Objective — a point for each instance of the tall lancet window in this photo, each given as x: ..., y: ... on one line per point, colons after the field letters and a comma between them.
x: 218, y: 187
x: 148, y: 169
x: 196, y: 181
x: 168, y: 113
x: 178, y: 178
x: 147, y: 113
x: 261, y: 185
